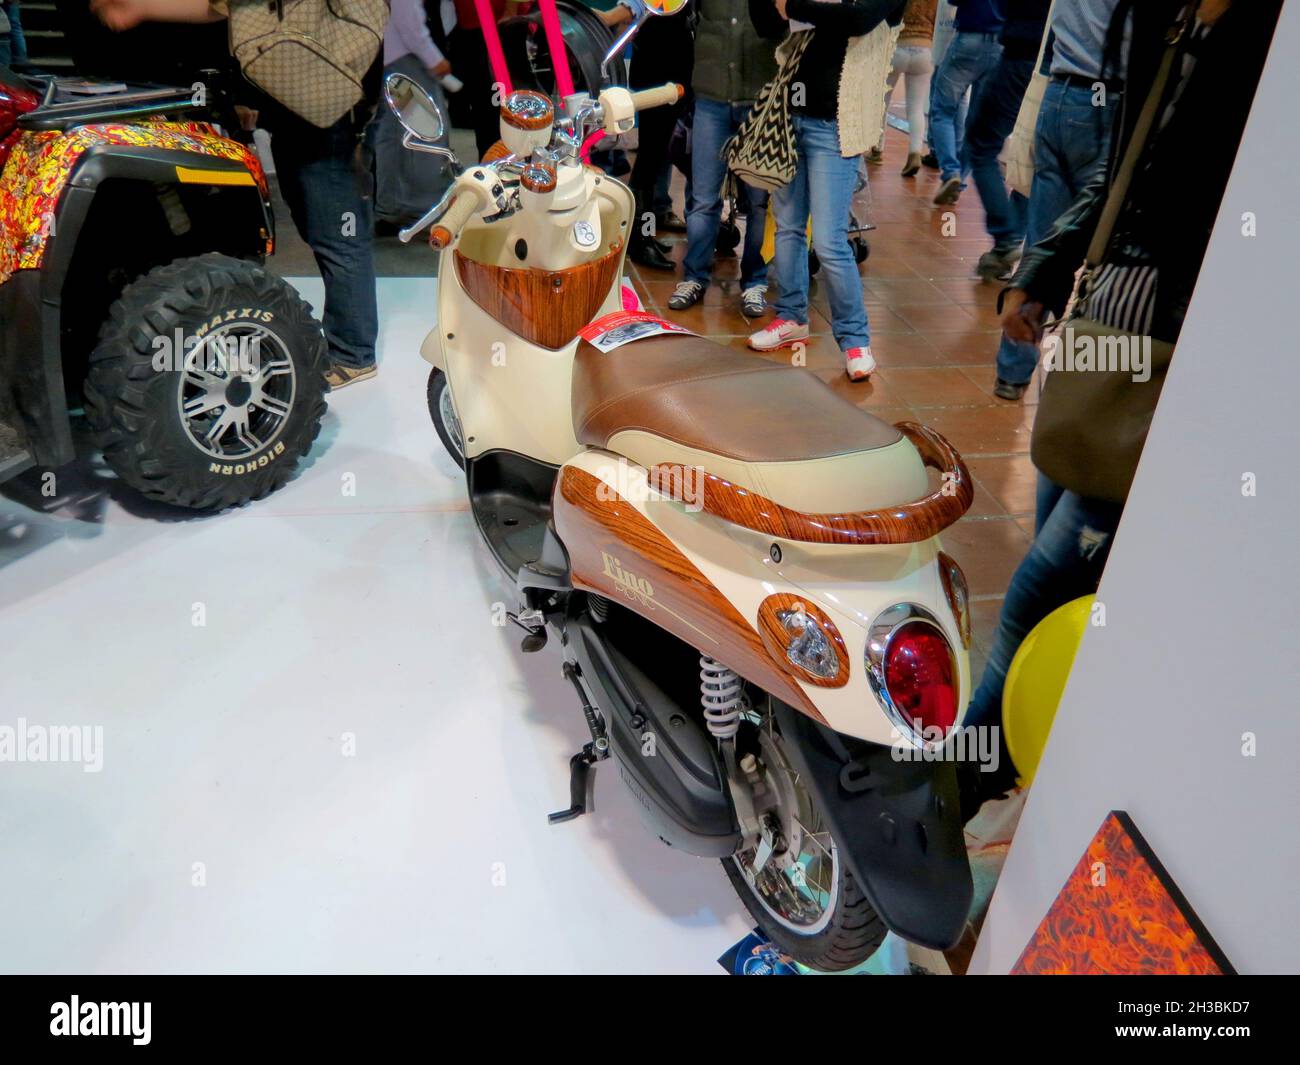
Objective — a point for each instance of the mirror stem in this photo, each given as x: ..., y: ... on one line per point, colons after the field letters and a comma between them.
x: 620, y: 44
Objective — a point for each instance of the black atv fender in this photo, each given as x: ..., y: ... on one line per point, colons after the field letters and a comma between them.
x: 32, y: 300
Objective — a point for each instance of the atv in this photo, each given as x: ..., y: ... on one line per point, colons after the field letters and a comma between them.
x: 133, y: 233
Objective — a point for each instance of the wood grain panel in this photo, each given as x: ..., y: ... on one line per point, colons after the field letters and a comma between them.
x: 545, y: 307
x: 907, y: 523
x: 616, y: 551
x: 776, y: 639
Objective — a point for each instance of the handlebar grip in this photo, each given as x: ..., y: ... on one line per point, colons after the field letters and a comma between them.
x: 453, y: 220
x: 658, y: 97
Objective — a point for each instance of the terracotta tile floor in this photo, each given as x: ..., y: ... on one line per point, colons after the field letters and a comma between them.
x: 934, y: 334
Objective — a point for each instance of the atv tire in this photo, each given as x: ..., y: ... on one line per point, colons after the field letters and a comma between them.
x: 162, y: 432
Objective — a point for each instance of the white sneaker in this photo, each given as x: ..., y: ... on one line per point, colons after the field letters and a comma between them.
x: 859, y: 362
x: 753, y: 301
x: 778, y: 333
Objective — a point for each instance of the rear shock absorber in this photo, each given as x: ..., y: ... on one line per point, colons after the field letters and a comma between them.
x: 722, y: 697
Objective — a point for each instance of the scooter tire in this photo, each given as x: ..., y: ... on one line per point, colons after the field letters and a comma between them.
x: 854, y: 933
x: 439, y: 401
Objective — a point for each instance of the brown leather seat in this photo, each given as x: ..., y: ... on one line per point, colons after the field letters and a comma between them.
x: 768, y: 427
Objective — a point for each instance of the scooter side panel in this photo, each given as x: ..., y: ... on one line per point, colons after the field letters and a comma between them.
x: 618, y: 552
x: 850, y: 585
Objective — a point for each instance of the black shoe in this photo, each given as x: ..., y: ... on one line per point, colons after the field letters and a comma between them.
x: 1006, y: 390
x: 997, y: 264
x: 670, y: 222
x: 647, y: 252
x: 931, y: 160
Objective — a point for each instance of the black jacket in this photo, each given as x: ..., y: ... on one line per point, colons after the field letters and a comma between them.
x: 1177, y: 188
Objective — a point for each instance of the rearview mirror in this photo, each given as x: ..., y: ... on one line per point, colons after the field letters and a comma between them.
x: 641, y: 10
x: 414, y: 108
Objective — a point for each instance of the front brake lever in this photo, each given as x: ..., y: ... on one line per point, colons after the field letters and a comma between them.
x: 428, y: 218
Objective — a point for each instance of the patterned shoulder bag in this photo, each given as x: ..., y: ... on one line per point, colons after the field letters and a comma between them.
x: 762, y: 153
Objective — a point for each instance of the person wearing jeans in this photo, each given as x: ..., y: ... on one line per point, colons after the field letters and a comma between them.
x: 836, y: 118
x: 1072, y: 540
x: 324, y: 176
x: 733, y: 61
x: 13, y: 45
x: 714, y: 124
x: 974, y: 52
x: 991, y: 124
x: 824, y: 178
x: 323, y: 179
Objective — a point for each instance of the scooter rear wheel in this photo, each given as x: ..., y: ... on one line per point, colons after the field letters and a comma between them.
x: 804, y: 898
x: 445, y: 422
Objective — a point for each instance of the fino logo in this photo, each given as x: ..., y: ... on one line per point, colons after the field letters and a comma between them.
x: 627, y: 582
x: 102, y: 1018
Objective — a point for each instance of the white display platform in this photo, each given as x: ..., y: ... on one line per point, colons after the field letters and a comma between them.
x: 326, y: 614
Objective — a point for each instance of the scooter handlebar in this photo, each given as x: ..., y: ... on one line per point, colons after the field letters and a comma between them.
x: 448, y: 227
x: 662, y: 96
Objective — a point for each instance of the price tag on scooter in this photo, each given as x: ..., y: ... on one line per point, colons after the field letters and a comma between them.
x: 622, y: 327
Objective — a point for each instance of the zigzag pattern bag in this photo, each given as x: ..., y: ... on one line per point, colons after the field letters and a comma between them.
x: 762, y: 153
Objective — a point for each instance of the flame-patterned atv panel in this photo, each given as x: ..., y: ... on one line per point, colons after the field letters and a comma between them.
x: 41, y: 164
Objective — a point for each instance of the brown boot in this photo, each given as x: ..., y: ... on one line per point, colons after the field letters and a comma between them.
x: 913, y: 165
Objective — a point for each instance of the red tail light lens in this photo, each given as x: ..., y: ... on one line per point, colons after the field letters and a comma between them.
x: 921, y: 677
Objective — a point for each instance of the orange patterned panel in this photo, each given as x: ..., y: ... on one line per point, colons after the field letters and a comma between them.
x: 1120, y: 914
x: 41, y: 163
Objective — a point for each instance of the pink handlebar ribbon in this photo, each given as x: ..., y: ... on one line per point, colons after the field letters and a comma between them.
x: 496, y: 55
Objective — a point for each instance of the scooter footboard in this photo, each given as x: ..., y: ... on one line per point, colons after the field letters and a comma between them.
x: 897, y: 823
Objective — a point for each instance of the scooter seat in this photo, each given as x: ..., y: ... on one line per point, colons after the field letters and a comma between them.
x: 773, y: 429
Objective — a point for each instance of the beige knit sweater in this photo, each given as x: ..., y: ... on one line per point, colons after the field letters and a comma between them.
x: 860, y: 109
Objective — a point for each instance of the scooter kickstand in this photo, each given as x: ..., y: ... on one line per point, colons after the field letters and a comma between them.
x: 582, y: 782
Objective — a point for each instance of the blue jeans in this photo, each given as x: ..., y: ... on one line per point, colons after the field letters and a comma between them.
x: 325, y: 187
x: 989, y: 127
x: 714, y: 123
x: 1072, y: 540
x: 823, y: 178
x: 1071, y: 145
x: 969, y: 58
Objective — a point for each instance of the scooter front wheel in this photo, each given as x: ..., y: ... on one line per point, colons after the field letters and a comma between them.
x: 445, y: 422
x: 792, y: 878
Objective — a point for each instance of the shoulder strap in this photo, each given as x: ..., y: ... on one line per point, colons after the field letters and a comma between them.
x: 1137, y: 143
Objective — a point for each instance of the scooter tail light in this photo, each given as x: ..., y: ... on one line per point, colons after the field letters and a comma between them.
x: 921, y: 677
x: 808, y: 646
x: 958, y: 593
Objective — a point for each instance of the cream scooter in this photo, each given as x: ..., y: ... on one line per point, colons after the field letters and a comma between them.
x: 741, y: 567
